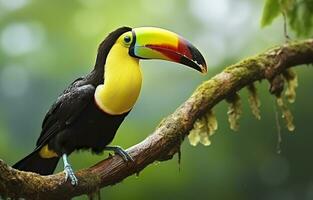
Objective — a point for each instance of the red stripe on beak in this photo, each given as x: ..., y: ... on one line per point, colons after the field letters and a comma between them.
x: 171, y: 52
x: 183, y: 49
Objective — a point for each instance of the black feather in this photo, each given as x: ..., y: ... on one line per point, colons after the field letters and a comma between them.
x: 34, y: 163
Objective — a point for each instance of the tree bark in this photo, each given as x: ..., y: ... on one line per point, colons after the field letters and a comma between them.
x: 165, y: 141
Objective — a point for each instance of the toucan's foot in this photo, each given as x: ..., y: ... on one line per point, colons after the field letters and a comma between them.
x: 69, y: 173
x: 120, y: 151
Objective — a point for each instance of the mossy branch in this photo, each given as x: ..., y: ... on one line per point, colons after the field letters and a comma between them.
x: 165, y: 141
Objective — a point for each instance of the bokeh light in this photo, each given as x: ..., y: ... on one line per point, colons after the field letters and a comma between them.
x: 14, y: 81
x: 20, y: 38
x: 13, y: 4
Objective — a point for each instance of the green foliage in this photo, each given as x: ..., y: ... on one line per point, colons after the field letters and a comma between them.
x: 254, y: 101
x: 271, y: 10
x: 301, y: 17
x: 298, y: 12
x: 234, y: 111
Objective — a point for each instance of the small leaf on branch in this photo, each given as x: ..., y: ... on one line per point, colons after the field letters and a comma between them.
x: 301, y: 17
x: 286, y: 4
x: 299, y: 14
x: 234, y: 111
x: 271, y: 10
x: 254, y: 101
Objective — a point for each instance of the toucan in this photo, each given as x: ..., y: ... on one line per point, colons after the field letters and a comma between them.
x: 90, y: 110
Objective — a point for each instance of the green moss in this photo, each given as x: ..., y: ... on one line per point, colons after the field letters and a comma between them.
x: 292, y: 83
x: 234, y: 111
x: 286, y: 114
x: 211, y: 122
x: 199, y: 133
x: 254, y: 101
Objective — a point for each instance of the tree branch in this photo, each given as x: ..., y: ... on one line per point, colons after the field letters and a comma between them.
x: 164, y: 142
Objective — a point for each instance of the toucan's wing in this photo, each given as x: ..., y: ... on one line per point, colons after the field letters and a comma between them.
x: 65, y: 110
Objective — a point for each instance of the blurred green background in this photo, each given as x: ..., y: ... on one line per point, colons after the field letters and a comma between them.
x: 44, y: 45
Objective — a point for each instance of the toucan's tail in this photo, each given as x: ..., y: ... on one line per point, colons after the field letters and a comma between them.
x: 35, y: 163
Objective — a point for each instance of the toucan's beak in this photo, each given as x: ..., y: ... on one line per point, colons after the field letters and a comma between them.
x: 157, y: 43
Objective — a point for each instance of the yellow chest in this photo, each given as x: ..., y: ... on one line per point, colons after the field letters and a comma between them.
x: 122, y: 82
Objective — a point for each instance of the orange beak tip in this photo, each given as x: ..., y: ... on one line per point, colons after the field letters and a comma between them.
x: 204, y: 69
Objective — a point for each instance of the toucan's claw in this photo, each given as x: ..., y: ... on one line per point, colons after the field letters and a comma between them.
x: 69, y: 173
x: 120, y: 151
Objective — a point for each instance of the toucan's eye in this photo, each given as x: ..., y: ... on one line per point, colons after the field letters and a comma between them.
x: 127, y: 39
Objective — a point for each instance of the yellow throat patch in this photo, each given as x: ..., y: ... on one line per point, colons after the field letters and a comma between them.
x: 122, y: 81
